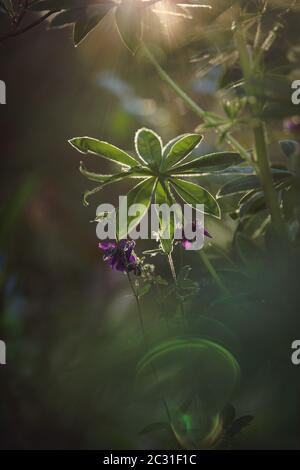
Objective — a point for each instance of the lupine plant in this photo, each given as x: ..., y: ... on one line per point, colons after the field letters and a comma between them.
x: 260, y: 195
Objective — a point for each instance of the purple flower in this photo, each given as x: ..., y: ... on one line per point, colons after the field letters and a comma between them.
x: 187, y: 243
x: 120, y: 255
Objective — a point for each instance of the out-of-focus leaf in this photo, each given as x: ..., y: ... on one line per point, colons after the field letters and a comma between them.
x: 239, y: 424
x: 144, y: 290
x: 255, y: 203
x: 53, y: 5
x: 194, y: 194
x: 91, y: 18
x: 8, y: 5
x: 65, y: 18
x: 103, y: 149
x: 247, y: 183
x: 129, y: 24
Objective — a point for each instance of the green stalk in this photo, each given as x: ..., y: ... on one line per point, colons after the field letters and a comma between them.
x: 261, y: 160
x: 174, y: 276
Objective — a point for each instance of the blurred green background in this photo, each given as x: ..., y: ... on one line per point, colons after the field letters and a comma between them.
x: 69, y: 322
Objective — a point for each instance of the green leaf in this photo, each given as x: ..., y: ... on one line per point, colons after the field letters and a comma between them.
x: 135, y: 172
x: 129, y: 24
x: 162, y: 196
x: 239, y: 185
x: 91, y: 18
x: 103, y: 149
x: 140, y: 194
x: 53, y: 5
x: 149, y: 147
x: 243, y: 184
x: 181, y: 149
x: 194, y: 194
x: 253, y: 204
x: 239, y: 424
x: 64, y: 18
x: 170, y: 144
x: 208, y: 163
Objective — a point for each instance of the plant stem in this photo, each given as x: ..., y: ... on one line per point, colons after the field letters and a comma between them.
x: 174, y: 276
x: 140, y: 315
x: 19, y: 31
x: 261, y: 160
x: 266, y: 178
x: 172, y: 268
x: 138, y: 304
x: 213, y: 272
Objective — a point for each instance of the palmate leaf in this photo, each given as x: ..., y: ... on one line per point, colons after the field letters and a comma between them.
x: 194, y: 194
x: 103, y: 149
x: 148, y: 146
x: 180, y: 149
x: 140, y: 194
x: 217, y: 161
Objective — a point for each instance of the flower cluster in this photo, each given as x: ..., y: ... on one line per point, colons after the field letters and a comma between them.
x: 120, y: 256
